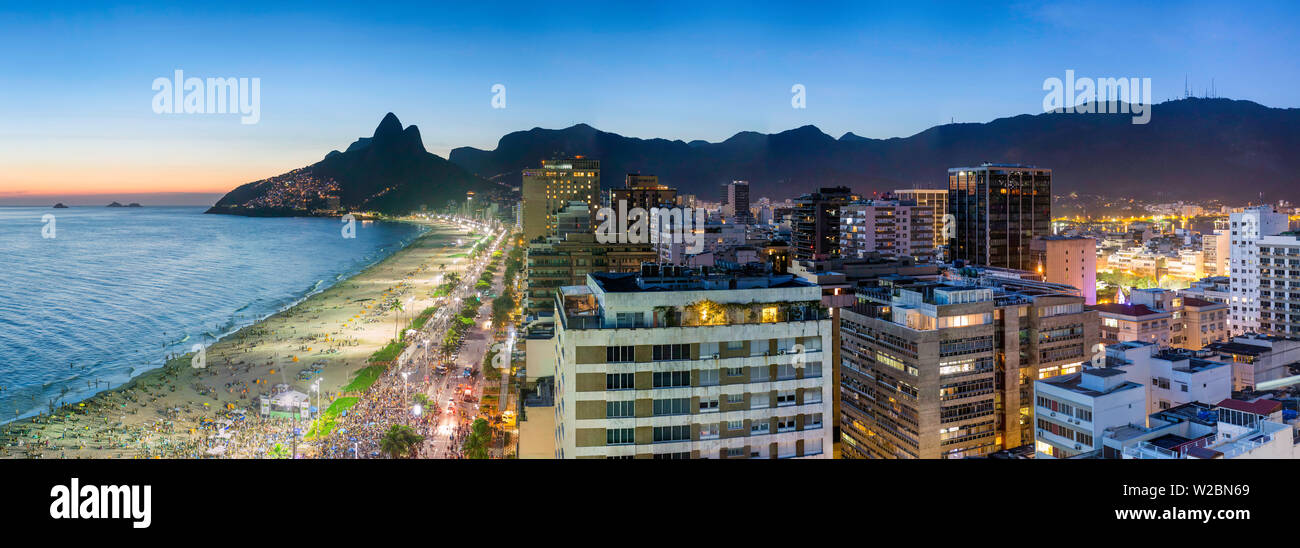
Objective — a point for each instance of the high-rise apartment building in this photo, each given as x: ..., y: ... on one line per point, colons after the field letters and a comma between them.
x: 566, y: 257
x: 1246, y: 227
x: 674, y: 364
x: 643, y: 191
x: 1279, y: 284
x: 1215, y: 249
x: 945, y: 369
x: 936, y: 199
x: 738, y: 202
x: 887, y: 227
x: 999, y: 209
x: 549, y: 188
x: 815, y: 227
x: 1070, y: 261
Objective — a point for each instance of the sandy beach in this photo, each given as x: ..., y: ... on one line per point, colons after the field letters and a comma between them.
x: 173, y: 411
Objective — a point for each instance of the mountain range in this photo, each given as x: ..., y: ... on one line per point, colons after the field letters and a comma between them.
x: 1191, y: 149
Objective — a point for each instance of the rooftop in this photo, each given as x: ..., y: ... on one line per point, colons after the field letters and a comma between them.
x: 1258, y: 407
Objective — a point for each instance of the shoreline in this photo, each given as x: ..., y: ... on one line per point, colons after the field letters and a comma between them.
x: 165, y: 358
x: 244, y: 362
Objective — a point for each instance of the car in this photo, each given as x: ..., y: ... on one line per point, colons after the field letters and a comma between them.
x: 469, y: 372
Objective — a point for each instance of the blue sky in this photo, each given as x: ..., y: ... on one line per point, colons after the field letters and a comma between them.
x: 75, y: 93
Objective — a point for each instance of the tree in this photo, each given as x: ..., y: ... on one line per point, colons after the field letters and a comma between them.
x: 398, y: 308
x: 400, y: 441
x: 476, y: 443
x: 278, y: 451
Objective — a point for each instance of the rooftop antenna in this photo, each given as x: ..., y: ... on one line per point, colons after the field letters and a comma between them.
x: 1187, y: 92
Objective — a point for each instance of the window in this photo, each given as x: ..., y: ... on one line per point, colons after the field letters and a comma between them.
x: 733, y: 452
x: 673, y: 406
x: 708, y: 377
x: 812, y: 395
x: 671, y: 379
x: 735, y: 345
x: 785, y: 371
x: 618, y: 354
x: 785, y: 397
x: 735, y: 399
x: 760, y: 427
x: 672, y: 433
x: 735, y: 425
x: 812, y: 370
x: 785, y: 424
x: 620, y: 409
x: 708, y: 403
x: 709, y: 431
x: 618, y: 436
x: 663, y: 352
x: 760, y: 400
x: 814, y: 421
x: 735, y: 371
x: 619, y: 381
x: 758, y: 373
x: 672, y: 456
x: 630, y: 319
x: 769, y: 314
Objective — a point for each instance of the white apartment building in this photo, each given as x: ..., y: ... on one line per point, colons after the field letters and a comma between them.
x: 1073, y: 411
x: 1215, y: 249
x: 1246, y: 227
x: 677, y: 249
x: 937, y: 200
x: 887, y: 227
x: 1172, y: 376
x: 1279, y: 284
x: 1258, y: 358
x: 668, y: 363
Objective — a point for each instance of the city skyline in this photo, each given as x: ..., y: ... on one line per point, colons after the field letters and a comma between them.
x: 81, y: 122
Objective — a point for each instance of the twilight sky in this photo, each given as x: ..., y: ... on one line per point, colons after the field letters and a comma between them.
x: 75, y: 85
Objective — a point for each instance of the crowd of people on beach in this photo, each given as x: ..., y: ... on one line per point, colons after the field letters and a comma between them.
x: 223, y: 419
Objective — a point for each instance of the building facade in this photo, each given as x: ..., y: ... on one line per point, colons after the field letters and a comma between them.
x: 887, y: 227
x: 1070, y: 261
x: 946, y: 369
x: 998, y: 210
x: 548, y: 189
x: 1246, y: 227
x: 815, y: 226
x: 1279, y: 284
x: 936, y: 200
x: 673, y: 364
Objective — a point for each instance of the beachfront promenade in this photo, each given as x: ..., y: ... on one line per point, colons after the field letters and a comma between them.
x: 327, y: 341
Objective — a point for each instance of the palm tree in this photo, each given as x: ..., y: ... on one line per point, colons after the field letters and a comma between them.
x: 400, y: 441
x: 476, y: 443
x: 397, y: 306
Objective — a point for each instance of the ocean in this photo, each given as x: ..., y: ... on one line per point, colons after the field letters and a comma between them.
x: 94, y: 296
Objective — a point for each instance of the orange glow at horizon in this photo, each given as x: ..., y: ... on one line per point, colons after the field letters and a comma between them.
x: 92, y: 180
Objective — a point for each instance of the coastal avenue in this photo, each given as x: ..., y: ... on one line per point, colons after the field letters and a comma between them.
x: 453, y: 398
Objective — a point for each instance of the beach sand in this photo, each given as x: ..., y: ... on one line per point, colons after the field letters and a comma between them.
x: 172, y: 411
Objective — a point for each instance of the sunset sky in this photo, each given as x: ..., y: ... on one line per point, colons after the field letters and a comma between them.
x: 76, y: 100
